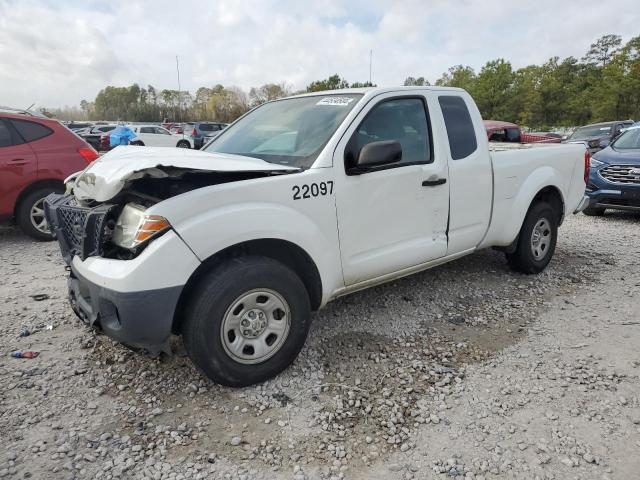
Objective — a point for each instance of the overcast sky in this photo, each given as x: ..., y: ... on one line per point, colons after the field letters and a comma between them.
x: 55, y: 53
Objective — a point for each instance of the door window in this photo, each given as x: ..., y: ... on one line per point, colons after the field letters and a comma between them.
x: 5, y: 135
x: 31, y: 131
x: 161, y: 131
x: 403, y: 120
x: 147, y: 130
x: 460, y: 131
x: 513, y: 135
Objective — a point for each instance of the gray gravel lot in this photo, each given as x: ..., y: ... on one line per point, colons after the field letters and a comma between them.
x: 465, y: 371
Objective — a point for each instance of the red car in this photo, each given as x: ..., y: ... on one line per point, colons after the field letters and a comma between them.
x: 36, y: 155
x: 498, y: 131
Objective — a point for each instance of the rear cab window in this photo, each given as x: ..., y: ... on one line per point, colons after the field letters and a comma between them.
x: 31, y: 131
x: 460, y: 130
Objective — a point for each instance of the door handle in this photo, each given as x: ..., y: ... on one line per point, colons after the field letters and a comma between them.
x: 434, y: 183
x: 17, y: 161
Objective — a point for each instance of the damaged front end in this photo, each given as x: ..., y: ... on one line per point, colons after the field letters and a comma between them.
x: 119, y: 228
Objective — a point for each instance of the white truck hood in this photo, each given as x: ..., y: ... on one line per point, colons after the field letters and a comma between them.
x: 105, y: 178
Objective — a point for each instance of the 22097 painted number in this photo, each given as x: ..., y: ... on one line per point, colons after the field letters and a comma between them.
x: 313, y: 190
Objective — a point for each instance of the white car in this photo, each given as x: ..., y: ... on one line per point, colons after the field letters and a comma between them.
x: 156, y: 136
x: 301, y: 201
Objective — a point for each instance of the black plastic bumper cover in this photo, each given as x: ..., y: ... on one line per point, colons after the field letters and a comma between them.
x: 139, y: 319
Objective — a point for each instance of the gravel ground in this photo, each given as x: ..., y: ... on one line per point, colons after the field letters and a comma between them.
x: 465, y: 371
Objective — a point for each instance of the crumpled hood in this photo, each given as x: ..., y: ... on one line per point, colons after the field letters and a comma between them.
x: 105, y: 178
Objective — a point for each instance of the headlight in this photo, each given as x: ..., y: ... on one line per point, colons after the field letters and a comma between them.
x: 134, y: 226
x: 593, y: 163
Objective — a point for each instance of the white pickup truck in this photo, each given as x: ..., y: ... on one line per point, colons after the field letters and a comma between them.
x: 298, y: 202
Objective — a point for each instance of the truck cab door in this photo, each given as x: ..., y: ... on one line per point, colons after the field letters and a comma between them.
x: 395, y: 217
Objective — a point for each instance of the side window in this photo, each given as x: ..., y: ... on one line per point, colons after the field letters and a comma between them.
x: 5, y: 135
x: 462, y: 136
x: 498, y: 136
x: 161, y: 131
x: 404, y: 120
x: 147, y: 130
x: 31, y: 131
x: 513, y: 135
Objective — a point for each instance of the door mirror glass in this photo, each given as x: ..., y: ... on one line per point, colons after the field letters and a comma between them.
x: 376, y: 154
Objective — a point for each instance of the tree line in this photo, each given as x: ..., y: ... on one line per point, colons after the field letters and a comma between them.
x: 602, y: 85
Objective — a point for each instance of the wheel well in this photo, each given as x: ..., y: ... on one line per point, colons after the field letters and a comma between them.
x: 553, y: 197
x: 33, y: 187
x: 281, y: 250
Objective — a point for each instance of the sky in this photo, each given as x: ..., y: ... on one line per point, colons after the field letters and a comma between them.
x: 57, y: 52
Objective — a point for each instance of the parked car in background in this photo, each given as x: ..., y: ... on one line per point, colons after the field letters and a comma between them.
x: 75, y: 126
x: 177, y: 128
x: 93, y: 135
x: 202, y: 132
x: 36, y: 155
x: 155, y: 136
x: 507, y: 132
x: 614, y: 179
x: 598, y: 135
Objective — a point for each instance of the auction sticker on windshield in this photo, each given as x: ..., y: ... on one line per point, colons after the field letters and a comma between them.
x: 337, y: 101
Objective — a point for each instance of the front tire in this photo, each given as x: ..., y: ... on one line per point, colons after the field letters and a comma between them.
x: 537, y: 240
x: 246, y: 321
x: 30, y: 214
x: 183, y: 144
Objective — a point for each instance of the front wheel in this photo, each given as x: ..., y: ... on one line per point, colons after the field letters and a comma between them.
x: 537, y: 240
x: 183, y: 144
x: 246, y: 321
x: 30, y: 213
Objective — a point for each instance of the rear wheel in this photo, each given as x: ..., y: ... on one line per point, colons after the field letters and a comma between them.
x: 183, y: 144
x: 594, y: 211
x: 137, y: 143
x: 246, y: 321
x: 30, y: 213
x: 537, y: 240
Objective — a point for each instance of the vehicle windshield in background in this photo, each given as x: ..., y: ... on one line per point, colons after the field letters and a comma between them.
x: 289, y: 132
x: 589, y: 132
x: 207, y: 127
x: 629, y: 140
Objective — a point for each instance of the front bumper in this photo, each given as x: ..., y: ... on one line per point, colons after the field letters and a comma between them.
x: 620, y: 198
x: 141, y: 319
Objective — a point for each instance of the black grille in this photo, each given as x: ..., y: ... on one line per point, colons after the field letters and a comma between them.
x: 628, y: 174
x: 80, y: 230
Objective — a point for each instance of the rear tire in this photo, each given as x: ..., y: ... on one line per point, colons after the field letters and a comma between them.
x: 30, y: 213
x: 225, y: 332
x: 137, y: 143
x: 536, y: 241
x: 594, y: 211
x: 183, y: 144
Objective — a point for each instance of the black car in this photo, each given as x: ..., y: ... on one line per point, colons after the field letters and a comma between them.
x: 202, y: 132
x: 598, y: 135
x: 93, y: 135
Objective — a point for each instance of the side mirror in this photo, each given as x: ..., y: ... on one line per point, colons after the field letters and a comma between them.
x: 376, y: 154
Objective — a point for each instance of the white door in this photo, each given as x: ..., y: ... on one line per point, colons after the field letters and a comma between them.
x: 156, y: 137
x: 395, y: 216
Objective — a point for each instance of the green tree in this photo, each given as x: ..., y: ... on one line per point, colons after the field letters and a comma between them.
x: 415, y: 82
x: 334, y: 82
x: 603, y: 50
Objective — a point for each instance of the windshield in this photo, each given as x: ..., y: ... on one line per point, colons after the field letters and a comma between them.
x: 588, y: 132
x: 629, y: 140
x: 289, y: 132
